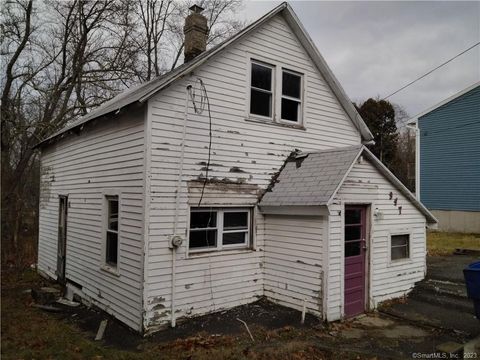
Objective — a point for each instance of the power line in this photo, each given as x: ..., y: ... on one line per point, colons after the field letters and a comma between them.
x: 431, y: 71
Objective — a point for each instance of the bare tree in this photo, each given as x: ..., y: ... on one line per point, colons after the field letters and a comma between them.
x: 54, y: 72
x: 62, y: 58
x: 403, y: 165
x: 222, y: 23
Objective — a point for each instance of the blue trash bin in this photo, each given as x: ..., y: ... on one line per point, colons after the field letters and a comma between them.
x: 472, y: 281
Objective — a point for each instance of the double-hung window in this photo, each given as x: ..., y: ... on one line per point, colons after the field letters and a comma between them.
x: 214, y: 229
x: 291, y: 96
x: 261, y: 90
x: 111, y: 232
x: 400, y: 246
x: 276, y: 94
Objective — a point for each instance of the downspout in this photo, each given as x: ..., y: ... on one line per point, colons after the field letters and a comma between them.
x: 176, y: 240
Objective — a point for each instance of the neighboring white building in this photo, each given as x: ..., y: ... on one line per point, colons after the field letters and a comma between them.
x: 240, y: 174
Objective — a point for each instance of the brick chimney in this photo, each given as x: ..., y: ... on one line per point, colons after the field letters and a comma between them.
x: 196, y: 32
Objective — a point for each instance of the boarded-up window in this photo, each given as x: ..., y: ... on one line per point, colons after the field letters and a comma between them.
x: 400, y: 246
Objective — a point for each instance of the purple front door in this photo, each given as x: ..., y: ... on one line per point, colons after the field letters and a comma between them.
x: 355, y: 249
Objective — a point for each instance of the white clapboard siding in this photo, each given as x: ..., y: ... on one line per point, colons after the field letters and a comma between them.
x: 242, y: 152
x: 365, y: 184
x: 105, y: 157
x: 293, y: 261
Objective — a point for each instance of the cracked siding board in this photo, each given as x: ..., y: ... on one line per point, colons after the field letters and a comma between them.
x: 387, y: 280
x: 254, y: 151
x: 108, y: 156
x: 293, y: 261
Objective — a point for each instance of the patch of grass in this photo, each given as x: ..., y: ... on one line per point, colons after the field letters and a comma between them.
x: 445, y: 243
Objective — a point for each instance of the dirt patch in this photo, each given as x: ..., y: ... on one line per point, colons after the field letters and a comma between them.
x: 29, y: 333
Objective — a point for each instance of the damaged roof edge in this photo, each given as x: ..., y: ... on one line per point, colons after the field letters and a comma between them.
x: 143, y: 92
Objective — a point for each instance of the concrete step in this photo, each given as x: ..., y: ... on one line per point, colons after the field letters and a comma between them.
x: 448, y: 301
x: 439, y: 316
x: 447, y: 288
x: 444, y: 293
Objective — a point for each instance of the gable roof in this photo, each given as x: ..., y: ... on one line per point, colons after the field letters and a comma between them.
x: 313, y: 179
x: 143, y: 92
x: 414, y: 120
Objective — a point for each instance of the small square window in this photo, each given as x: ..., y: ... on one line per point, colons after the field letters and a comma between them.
x: 400, y: 246
x: 111, y: 235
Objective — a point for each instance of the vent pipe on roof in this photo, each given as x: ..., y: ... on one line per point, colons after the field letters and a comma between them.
x: 196, y: 32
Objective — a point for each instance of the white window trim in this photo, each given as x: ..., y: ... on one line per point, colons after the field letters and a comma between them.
x: 115, y: 270
x: 220, y: 231
x: 408, y: 259
x: 272, y: 91
x: 300, y: 100
x: 277, y: 68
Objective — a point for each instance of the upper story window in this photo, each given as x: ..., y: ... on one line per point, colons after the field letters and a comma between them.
x: 213, y: 229
x: 261, y: 91
x: 276, y: 94
x: 291, y: 96
x: 111, y: 231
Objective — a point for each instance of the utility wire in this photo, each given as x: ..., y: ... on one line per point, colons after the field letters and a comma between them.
x: 431, y: 71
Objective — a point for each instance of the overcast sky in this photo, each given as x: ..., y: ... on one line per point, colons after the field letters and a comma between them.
x: 374, y: 48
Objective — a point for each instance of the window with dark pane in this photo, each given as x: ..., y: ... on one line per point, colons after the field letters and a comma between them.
x: 235, y: 227
x: 203, y: 219
x: 261, y: 92
x: 353, y: 232
x: 219, y: 228
x: 400, y: 246
x: 260, y: 103
x: 234, y: 238
x: 353, y: 216
x: 261, y: 77
x: 352, y: 248
x: 203, y: 229
x: 291, y: 85
x: 203, y: 239
x: 111, y: 246
x: 291, y: 103
x: 290, y: 110
x: 235, y: 220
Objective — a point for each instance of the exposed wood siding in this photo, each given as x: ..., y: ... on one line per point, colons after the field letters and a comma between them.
x: 293, y: 261
x: 242, y: 152
x: 108, y: 156
x: 365, y: 184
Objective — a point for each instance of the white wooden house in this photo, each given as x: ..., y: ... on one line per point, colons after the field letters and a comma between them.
x: 239, y: 175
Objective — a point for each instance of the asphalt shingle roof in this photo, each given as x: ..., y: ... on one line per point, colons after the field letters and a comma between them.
x: 311, y: 179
